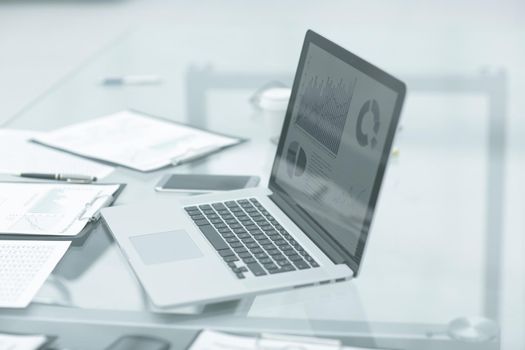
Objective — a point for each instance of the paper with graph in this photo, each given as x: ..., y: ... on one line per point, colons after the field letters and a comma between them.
x: 136, y: 140
x: 49, y: 208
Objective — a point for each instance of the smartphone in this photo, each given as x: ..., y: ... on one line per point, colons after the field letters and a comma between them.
x: 200, y: 183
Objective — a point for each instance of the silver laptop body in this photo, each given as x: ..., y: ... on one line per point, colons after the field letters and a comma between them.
x: 308, y: 227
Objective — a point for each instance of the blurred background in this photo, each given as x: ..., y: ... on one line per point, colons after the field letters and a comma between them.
x: 477, y: 143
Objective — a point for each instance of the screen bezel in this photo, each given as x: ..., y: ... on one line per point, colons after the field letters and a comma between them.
x: 353, y: 260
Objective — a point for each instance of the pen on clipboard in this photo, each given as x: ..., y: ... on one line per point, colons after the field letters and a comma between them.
x: 60, y: 177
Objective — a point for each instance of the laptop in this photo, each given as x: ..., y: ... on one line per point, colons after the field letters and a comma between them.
x: 310, y: 224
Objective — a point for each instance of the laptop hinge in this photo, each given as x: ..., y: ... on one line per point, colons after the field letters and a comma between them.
x: 307, y: 226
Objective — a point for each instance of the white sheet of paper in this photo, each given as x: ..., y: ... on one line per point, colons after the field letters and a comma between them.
x: 21, y: 342
x: 49, y: 208
x: 211, y: 340
x: 19, y: 155
x: 25, y: 266
x: 134, y: 140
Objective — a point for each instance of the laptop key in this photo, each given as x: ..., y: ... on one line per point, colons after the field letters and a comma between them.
x: 252, y: 245
x: 261, y: 255
x: 240, y: 249
x: 268, y: 247
x: 294, y: 257
x: 231, y: 258
x: 256, y: 269
x: 248, y: 260
x: 201, y: 222
x: 226, y: 252
x: 271, y: 267
x: 289, y: 252
x: 301, y: 264
x: 197, y: 216
x: 245, y: 255
x: 283, y: 262
x: 273, y: 252
x: 230, y: 204
x: 266, y: 261
x: 279, y: 257
x: 240, y: 275
x: 286, y: 268
x: 218, y: 206
x: 214, y: 238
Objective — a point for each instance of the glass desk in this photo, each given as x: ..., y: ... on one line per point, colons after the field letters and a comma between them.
x: 436, y: 249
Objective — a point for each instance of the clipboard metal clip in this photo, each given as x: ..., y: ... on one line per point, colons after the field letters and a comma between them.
x: 191, y: 154
x: 86, y: 213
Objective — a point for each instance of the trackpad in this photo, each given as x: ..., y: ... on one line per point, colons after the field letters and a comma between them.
x: 164, y: 247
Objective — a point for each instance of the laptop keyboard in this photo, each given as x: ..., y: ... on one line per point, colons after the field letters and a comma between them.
x: 249, y: 238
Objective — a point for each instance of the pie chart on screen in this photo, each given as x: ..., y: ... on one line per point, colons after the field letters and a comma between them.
x: 296, y: 159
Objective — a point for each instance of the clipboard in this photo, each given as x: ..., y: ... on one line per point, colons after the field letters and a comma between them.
x: 92, y: 218
x: 60, y: 139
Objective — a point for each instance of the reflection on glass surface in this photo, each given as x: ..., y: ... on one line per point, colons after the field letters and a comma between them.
x: 447, y: 237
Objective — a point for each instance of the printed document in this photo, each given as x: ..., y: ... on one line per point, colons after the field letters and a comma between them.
x: 24, y: 267
x: 211, y: 340
x: 21, y: 342
x: 136, y: 140
x: 50, y: 208
x: 19, y: 155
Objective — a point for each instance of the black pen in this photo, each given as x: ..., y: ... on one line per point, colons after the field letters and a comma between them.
x: 60, y: 177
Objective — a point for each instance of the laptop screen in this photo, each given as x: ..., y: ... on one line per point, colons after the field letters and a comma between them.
x: 335, y: 138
